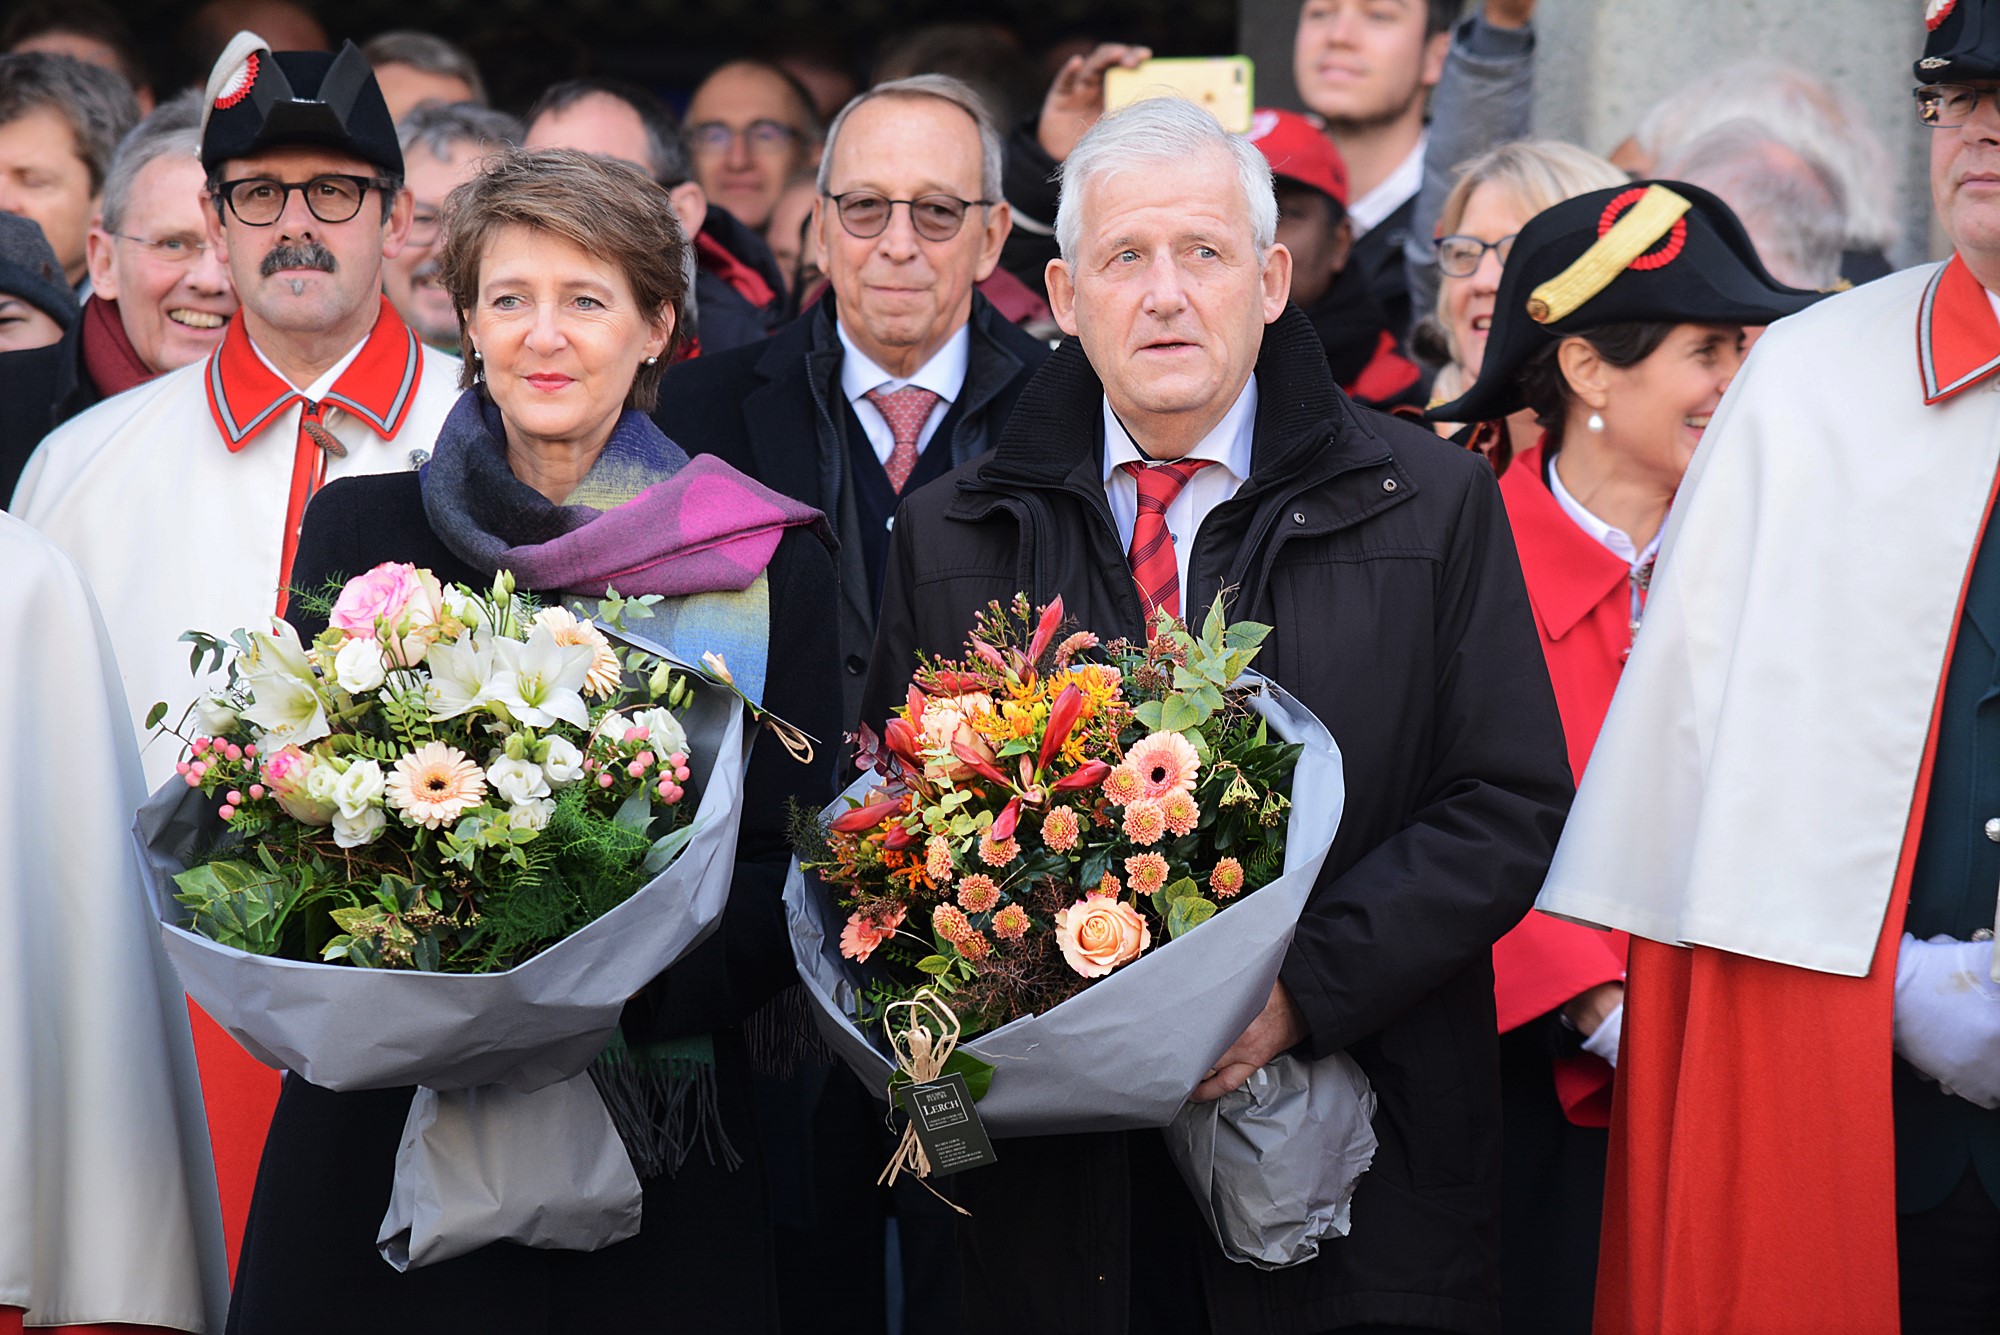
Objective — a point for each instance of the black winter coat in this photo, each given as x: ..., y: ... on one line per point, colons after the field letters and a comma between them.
x: 1383, y: 558
x: 775, y: 411
x: 702, y: 1260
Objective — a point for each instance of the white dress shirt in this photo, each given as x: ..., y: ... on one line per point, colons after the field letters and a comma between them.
x: 1227, y: 446
x: 319, y: 388
x: 1399, y: 185
x: 1614, y: 540
x: 943, y: 375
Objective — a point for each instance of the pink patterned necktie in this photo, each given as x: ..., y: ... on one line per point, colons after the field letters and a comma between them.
x: 1155, y: 567
x: 906, y: 410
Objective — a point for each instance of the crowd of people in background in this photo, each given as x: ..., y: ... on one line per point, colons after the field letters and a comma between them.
x: 888, y: 294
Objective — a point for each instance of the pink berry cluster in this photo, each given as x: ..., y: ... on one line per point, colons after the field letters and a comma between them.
x: 214, y: 762
x: 632, y: 758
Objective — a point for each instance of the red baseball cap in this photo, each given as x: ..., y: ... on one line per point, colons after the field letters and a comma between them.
x: 1299, y: 151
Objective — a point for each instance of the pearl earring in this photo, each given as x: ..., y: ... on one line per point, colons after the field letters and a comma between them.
x: 475, y: 355
x: 652, y: 361
x: 1595, y: 424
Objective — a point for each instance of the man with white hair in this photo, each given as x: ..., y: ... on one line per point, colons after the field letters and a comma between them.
x: 1788, y: 200
x: 1190, y: 436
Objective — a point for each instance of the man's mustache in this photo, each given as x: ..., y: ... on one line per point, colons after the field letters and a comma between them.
x: 311, y: 255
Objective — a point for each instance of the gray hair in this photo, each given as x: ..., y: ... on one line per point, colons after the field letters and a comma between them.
x: 440, y: 127
x: 942, y: 88
x: 174, y: 128
x: 1816, y: 120
x: 1790, y: 203
x: 1165, y: 133
x: 666, y: 146
x: 427, y: 52
x: 97, y: 103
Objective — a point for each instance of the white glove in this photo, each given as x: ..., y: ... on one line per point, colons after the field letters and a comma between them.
x: 1948, y: 1015
x: 1603, y: 1041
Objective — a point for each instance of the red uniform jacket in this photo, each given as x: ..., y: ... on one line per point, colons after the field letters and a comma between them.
x: 1582, y: 598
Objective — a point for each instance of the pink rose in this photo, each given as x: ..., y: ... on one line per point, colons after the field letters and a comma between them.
x: 1098, y: 933
x: 861, y: 935
x: 393, y: 600
x: 945, y: 721
x: 288, y: 774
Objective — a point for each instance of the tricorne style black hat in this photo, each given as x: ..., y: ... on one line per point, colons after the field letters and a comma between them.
x: 1964, y: 41
x: 1649, y: 251
x: 258, y: 99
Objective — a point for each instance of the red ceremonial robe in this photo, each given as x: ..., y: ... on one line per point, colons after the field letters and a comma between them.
x: 1752, y: 1182
x: 1581, y: 594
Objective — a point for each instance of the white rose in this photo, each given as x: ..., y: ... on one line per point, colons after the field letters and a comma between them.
x: 358, y: 789
x: 564, y: 763
x: 531, y: 815
x: 358, y: 666
x: 517, y: 781
x: 663, y: 731
x: 365, y: 827
x: 321, y: 783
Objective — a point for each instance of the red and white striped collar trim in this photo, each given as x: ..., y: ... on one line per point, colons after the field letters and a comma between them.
x: 378, y: 386
x: 1958, y: 336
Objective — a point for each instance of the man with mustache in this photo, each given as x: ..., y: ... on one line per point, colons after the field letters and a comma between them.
x: 1794, y: 808
x: 181, y: 500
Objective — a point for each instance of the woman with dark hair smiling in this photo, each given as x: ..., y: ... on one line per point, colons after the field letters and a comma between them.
x: 1619, y: 323
x: 567, y: 272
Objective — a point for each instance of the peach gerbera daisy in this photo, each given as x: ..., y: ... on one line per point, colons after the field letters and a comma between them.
x: 1165, y: 763
x: 861, y: 935
x: 604, y: 674
x: 435, y: 783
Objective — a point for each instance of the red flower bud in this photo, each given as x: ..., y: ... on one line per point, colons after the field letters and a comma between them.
x: 915, y: 705
x: 1004, y: 823
x: 1062, y: 717
x: 1088, y: 775
x: 988, y: 653
x: 901, y: 739
x: 865, y: 817
x: 899, y: 838
x: 979, y: 764
x: 1052, y: 616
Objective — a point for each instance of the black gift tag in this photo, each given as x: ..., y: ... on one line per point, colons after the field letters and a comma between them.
x: 947, y: 1125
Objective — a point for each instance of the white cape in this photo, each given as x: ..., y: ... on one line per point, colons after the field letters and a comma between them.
x: 108, y: 1209
x: 1752, y: 785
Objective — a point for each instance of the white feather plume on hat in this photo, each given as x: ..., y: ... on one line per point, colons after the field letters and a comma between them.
x: 232, y: 68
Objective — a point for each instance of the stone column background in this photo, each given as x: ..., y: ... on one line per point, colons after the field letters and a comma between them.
x: 1600, y: 64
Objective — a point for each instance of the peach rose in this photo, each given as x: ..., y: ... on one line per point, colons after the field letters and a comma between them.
x: 946, y: 721
x: 1098, y: 933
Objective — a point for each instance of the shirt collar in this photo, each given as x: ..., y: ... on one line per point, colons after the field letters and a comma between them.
x: 1571, y: 571
x: 1399, y: 185
x: 377, y: 385
x: 1958, y: 333
x: 1613, y: 540
x: 943, y: 375
x: 1227, y: 445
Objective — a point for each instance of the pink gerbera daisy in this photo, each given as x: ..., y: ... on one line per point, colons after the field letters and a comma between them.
x: 1165, y: 762
x: 977, y: 894
x: 434, y: 784
x: 1146, y: 872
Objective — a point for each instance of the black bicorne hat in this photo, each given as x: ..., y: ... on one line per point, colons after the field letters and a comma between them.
x: 259, y: 100
x: 1964, y: 41
x: 1649, y: 251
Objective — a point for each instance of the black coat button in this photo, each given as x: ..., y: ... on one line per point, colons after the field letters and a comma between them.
x: 856, y: 665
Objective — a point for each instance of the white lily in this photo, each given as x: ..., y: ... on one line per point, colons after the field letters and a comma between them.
x: 463, y: 676
x: 541, y: 681
x: 286, y: 700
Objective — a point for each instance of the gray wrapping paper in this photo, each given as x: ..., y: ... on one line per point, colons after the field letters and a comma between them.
x: 1273, y: 1165
x: 1126, y: 1052
x: 491, y: 1164
x: 535, y: 1025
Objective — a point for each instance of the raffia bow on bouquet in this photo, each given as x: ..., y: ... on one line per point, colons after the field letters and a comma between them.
x: 564, y: 829
x: 1093, y: 856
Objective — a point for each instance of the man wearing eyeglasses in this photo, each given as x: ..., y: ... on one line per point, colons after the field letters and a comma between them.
x: 901, y: 373
x: 1794, y: 807
x: 750, y: 129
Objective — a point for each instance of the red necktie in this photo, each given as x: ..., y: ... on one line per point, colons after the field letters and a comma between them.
x: 906, y: 410
x: 1154, y: 567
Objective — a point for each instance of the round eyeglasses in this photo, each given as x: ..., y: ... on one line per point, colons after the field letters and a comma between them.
x: 333, y: 198
x: 1946, y: 106
x: 865, y: 214
x: 1461, y: 256
x: 175, y: 250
